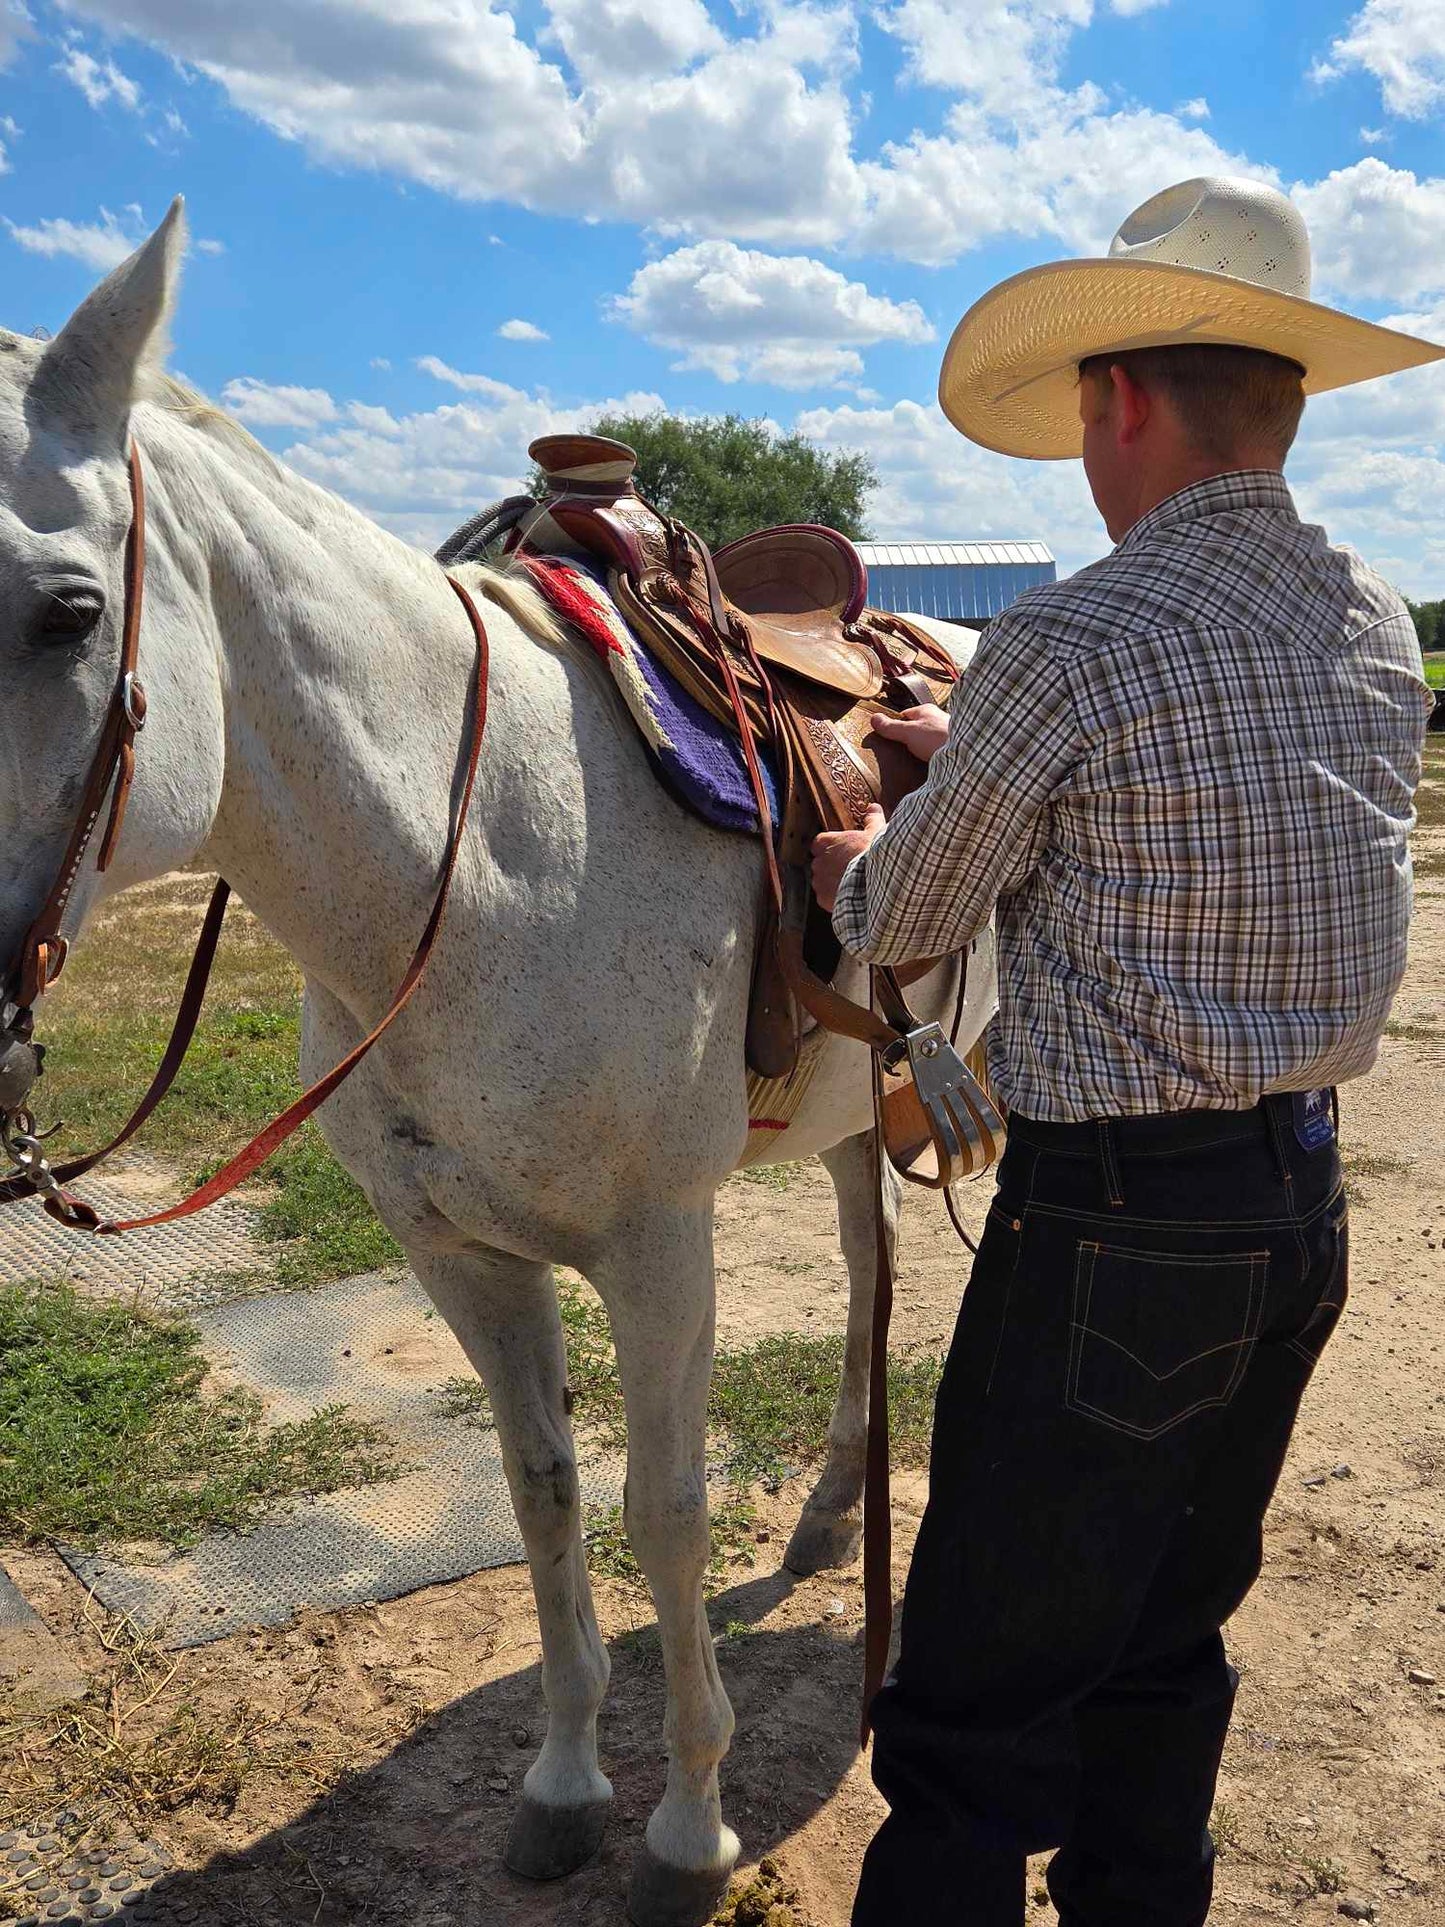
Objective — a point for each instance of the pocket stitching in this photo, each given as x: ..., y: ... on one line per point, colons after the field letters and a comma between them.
x: 1079, y: 1329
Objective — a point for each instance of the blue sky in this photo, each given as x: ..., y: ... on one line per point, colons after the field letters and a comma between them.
x: 426, y: 230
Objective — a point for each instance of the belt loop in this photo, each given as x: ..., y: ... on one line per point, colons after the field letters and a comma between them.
x: 1109, y: 1163
x: 1272, y: 1106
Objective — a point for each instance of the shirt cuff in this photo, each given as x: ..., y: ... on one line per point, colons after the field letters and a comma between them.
x: 850, y: 908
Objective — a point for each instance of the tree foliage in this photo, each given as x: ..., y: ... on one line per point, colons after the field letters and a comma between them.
x: 725, y: 476
x: 1429, y: 623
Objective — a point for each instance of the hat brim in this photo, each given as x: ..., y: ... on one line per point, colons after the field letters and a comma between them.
x: 1010, y: 375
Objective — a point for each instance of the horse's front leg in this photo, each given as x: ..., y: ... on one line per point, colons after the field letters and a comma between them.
x: 503, y: 1310
x: 830, y: 1529
x: 656, y: 1280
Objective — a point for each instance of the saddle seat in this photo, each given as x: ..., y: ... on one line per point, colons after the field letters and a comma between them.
x: 772, y: 636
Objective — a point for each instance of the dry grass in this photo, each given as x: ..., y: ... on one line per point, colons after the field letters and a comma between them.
x: 134, y: 1748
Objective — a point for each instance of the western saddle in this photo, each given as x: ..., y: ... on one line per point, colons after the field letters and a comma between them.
x: 772, y: 637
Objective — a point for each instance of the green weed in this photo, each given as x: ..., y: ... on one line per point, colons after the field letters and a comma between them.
x: 320, y: 1217
x: 592, y: 1377
x: 770, y: 1404
x: 773, y: 1177
x: 731, y: 1524
x: 107, y: 1431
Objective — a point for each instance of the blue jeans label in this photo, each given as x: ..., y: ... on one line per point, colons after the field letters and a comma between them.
x: 1313, y: 1123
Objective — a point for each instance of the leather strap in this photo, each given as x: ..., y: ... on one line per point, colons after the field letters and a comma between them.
x: 75, y: 1211
x: 877, y: 1498
x: 192, y: 997
x: 42, y: 949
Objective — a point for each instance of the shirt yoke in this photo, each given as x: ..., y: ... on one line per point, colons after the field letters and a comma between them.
x: 1259, y: 571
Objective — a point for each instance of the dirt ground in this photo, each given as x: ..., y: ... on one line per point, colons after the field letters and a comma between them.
x: 381, y: 1793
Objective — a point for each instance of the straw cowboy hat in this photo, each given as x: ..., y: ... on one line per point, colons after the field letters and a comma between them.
x: 1207, y: 261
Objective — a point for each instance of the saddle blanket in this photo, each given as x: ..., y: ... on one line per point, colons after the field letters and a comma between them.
x: 698, y: 758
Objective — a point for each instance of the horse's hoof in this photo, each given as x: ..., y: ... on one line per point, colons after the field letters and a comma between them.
x: 544, y: 1843
x: 822, y: 1540
x: 665, y: 1896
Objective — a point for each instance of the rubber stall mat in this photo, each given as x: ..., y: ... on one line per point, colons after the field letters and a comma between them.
x: 374, y: 1344
x: 49, y: 1876
x: 160, y: 1261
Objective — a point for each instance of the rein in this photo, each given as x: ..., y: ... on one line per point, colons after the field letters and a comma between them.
x: 43, y: 950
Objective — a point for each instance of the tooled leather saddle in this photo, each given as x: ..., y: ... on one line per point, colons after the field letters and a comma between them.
x: 772, y: 636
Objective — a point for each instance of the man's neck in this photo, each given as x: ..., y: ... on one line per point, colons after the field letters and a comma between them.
x: 1157, y: 485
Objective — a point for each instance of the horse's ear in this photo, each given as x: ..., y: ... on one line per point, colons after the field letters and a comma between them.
x: 92, y: 371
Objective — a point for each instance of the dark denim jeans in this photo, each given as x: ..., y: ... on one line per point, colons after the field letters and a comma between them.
x: 1148, y: 1301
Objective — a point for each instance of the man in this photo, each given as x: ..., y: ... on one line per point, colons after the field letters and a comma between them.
x: 1182, y: 781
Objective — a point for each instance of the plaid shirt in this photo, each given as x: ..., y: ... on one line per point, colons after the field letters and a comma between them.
x: 1185, y: 778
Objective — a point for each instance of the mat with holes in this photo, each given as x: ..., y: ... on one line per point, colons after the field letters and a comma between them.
x: 374, y: 1344
x: 176, y: 1264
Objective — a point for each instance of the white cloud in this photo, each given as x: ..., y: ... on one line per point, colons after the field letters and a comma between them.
x: 1067, y: 172
x: 208, y: 245
x: 381, y: 362
x: 785, y: 319
x: 1002, y: 52
x: 517, y: 330
x: 422, y: 475
x: 16, y: 24
x: 620, y: 39
x: 439, y: 370
x: 1372, y: 136
x: 755, y: 135
x: 934, y: 483
x: 1196, y: 109
x: 99, y: 80
x: 709, y: 127
x: 265, y: 404
x: 378, y: 421
x: 101, y: 245
x: 1376, y: 231
x: 1402, y: 44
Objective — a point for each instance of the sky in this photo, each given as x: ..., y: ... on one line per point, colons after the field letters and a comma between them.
x: 426, y: 231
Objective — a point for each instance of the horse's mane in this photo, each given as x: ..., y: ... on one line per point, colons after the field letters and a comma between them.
x: 198, y: 411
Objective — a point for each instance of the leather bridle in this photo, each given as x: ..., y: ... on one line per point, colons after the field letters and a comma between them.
x: 42, y: 952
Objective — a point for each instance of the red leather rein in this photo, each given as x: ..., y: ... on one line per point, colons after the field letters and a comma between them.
x: 42, y: 950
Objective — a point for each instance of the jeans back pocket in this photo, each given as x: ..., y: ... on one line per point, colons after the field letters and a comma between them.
x: 1157, y: 1336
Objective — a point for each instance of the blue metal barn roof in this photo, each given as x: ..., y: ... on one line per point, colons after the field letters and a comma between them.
x: 957, y: 581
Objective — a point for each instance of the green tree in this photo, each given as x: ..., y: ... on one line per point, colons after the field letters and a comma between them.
x: 724, y: 476
x: 1429, y: 623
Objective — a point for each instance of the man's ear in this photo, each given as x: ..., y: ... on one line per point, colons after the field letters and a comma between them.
x: 1131, y: 404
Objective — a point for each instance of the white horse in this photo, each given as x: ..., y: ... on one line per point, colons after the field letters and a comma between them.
x: 567, y: 1086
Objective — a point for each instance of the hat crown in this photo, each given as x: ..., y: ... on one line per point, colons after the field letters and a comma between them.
x: 1239, y: 228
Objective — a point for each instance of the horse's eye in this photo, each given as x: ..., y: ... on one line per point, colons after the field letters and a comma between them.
x: 69, y: 615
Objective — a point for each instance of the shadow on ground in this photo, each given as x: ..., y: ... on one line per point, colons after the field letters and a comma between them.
x: 418, y: 1837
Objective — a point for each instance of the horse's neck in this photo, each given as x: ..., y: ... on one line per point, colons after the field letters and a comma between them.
x: 346, y: 665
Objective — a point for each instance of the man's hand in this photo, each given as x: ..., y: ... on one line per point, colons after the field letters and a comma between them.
x: 921, y: 731
x: 834, y: 850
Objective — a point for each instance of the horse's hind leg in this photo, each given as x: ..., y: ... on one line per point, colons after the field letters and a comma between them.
x: 830, y: 1529
x: 504, y: 1312
x: 657, y: 1284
